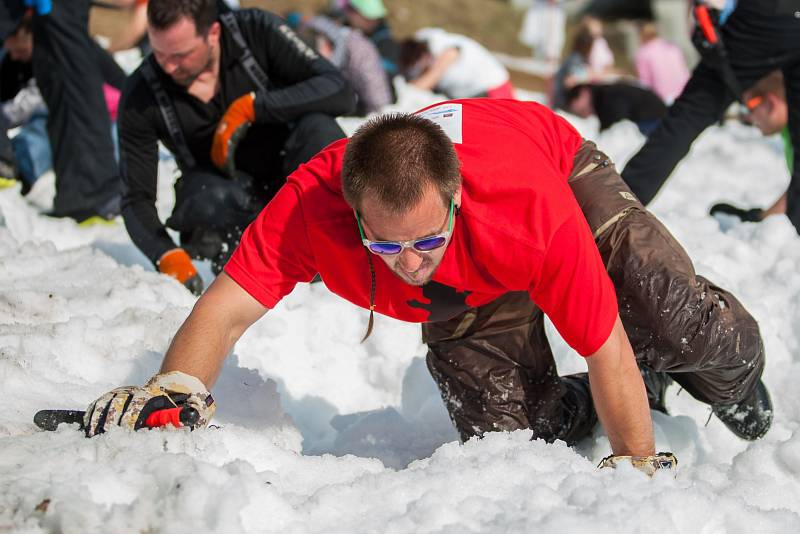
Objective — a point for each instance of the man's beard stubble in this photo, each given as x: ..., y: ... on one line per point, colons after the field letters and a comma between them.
x: 186, y: 81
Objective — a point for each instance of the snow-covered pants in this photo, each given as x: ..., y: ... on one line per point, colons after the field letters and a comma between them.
x: 494, y: 366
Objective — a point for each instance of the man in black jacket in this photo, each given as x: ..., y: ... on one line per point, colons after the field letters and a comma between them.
x: 241, y: 102
x: 760, y: 36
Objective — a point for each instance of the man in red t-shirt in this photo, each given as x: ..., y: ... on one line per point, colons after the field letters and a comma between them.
x: 477, y: 218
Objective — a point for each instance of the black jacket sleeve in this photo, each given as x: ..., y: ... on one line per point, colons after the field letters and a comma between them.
x: 301, y: 80
x: 138, y: 152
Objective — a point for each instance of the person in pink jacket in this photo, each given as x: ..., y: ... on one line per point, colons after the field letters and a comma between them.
x: 660, y: 64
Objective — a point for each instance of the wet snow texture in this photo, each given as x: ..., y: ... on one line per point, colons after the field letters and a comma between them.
x: 316, y: 433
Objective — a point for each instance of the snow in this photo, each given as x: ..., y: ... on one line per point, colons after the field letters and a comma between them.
x: 317, y: 433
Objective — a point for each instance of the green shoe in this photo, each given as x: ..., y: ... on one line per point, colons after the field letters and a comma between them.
x: 96, y: 220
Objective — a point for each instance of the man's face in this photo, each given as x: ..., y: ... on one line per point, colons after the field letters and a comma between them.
x: 182, y: 53
x: 20, y: 45
x: 770, y: 115
x: 428, y: 218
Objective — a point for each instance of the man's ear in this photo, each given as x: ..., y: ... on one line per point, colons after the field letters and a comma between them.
x: 457, y: 197
x: 214, y: 31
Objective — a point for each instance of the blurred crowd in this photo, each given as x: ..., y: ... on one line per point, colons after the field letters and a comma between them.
x: 66, y: 104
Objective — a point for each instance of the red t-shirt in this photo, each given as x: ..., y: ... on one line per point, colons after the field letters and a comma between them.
x: 520, y: 229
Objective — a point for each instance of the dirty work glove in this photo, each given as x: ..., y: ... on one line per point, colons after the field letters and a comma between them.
x: 178, y: 264
x: 42, y: 7
x: 751, y: 215
x: 646, y: 464
x: 129, y: 406
x: 231, y: 129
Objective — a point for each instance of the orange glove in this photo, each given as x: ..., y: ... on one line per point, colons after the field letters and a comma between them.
x: 176, y: 263
x: 231, y: 129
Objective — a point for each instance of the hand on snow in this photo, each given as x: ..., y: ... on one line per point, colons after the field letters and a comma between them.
x: 751, y: 215
x: 178, y: 264
x: 646, y: 464
x: 129, y: 406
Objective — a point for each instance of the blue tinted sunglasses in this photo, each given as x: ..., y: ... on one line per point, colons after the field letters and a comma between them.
x: 423, y: 244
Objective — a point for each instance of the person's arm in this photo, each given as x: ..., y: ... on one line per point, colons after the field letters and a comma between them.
x: 777, y: 208
x: 302, y: 81
x: 366, y: 73
x: 207, y: 336
x: 190, y: 367
x: 644, y: 70
x: 433, y: 75
x: 575, y: 291
x: 620, y: 397
x: 138, y: 147
x: 134, y: 29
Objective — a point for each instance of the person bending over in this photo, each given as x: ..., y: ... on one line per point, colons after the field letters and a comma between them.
x: 477, y: 218
x: 241, y: 101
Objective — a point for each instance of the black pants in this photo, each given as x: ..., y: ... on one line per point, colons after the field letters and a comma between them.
x: 757, y: 43
x: 6, y: 150
x: 494, y: 366
x: 70, y: 77
x: 212, y: 210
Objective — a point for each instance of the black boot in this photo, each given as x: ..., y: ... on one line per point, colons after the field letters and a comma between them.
x: 656, y: 383
x: 750, y: 418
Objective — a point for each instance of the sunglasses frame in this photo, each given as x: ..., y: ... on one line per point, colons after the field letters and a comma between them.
x: 408, y: 244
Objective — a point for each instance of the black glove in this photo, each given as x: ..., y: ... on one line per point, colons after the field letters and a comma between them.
x: 751, y: 215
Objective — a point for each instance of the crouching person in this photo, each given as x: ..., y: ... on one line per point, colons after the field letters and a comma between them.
x: 476, y: 218
x: 241, y: 102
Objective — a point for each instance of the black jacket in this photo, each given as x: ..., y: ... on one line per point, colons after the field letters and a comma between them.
x: 300, y: 82
x: 615, y: 102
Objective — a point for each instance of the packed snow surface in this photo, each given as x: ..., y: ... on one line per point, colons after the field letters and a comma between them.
x: 318, y: 433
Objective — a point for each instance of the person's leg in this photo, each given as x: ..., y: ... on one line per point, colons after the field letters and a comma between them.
x: 791, y: 76
x: 211, y: 212
x: 309, y: 134
x: 87, y: 178
x: 32, y: 151
x: 8, y: 173
x: 110, y: 70
x: 495, y: 371
x: 702, y: 103
x: 677, y: 322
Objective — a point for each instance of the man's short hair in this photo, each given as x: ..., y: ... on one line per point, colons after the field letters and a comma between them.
x: 574, y: 93
x: 162, y: 14
x: 394, y: 158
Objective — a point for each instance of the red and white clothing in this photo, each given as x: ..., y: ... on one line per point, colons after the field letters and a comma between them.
x: 520, y: 229
x: 476, y: 72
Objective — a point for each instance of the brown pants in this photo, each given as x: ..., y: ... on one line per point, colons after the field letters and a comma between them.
x: 494, y: 366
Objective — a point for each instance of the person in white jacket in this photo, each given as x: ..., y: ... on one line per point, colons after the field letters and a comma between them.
x: 453, y: 65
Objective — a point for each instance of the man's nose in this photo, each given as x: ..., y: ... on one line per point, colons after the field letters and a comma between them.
x: 169, y: 66
x: 410, y: 260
